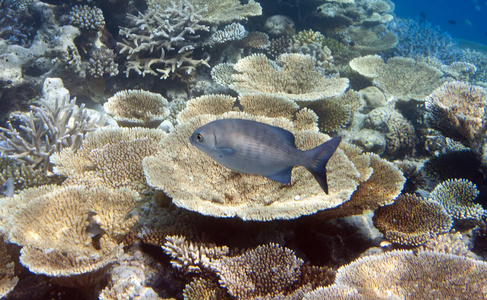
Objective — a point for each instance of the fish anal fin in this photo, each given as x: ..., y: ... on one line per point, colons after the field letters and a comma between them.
x: 282, y: 176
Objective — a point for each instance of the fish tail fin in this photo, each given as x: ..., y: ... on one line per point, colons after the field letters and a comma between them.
x: 319, y: 157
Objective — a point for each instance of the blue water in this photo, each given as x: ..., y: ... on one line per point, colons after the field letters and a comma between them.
x: 462, y: 19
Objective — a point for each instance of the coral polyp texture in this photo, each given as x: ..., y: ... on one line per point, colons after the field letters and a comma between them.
x: 132, y: 108
x: 457, y: 196
x: 102, y: 63
x: 401, y: 77
x: 87, y: 18
x: 56, y: 227
x: 408, y: 275
x: 457, y: 110
x: 257, y: 74
x: 412, y: 220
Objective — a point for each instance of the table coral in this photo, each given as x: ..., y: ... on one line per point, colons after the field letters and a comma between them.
x: 401, y: 77
x: 257, y: 74
x: 131, y: 108
x: 405, y: 274
x: 412, y: 220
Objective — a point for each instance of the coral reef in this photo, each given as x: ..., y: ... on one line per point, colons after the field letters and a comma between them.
x: 102, y: 63
x: 86, y: 17
x: 400, y: 77
x: 137, y: 108
x: 420, y: 39
x: 398, y: 221
x: 356, y: 12
x: 394, y: 275
x: 279, y: 25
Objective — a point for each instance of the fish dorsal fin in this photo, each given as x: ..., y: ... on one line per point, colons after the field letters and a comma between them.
x: 287, y: 136
x: 282, y: 176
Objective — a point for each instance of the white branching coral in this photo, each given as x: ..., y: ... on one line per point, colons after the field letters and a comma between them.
x: 160, y: 41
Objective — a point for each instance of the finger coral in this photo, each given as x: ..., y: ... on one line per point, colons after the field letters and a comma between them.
x: 457, y: 196
x: 132, y: 108
x: 401, y: 77
x: 412, y: 220
x: 457, y: 110
x: 408, y: 275
x: 291, y: 75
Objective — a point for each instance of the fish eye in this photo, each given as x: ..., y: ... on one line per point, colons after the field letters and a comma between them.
x: 199, y: 137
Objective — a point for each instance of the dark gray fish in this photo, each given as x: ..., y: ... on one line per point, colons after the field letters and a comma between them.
x: 7, y: 187
x: 257, y: 148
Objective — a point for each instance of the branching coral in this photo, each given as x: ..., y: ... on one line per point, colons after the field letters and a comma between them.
x: 87, y: 18
x: 457, y: 109
x: 110, y: 157
x: 457, y: 196
x: 449, y: 243
x: 160, y: 41
x: 291, y: 75
x: 265, y: 271
x: 48, y: 129
x: 400, y: 77
x: 412, y: 220
x: 404, y: 274
x: 102, y: 63
x: 137, y: 108
x: 219, y: 11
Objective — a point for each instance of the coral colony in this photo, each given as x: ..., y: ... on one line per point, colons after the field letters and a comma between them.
x: 108, y: 199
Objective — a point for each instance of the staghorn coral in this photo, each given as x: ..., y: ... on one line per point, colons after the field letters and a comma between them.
x: 17, y: 27
x: 291, y: 75
x: 457, y: 196
x: 265, y: 271
x: 214, y: 190
x: 412, y: 220
x: 160, y: 41
x: 110, y: 157
x: 191, y: 257
x: 48, y: 129
x: 408, y: 275
x: 219, y: 11
x: 68, y: 230
x: 102, y: 63
x: 401, y: 77
x: 86, y: 17
x: 132, y: 108
x: 457, y: 110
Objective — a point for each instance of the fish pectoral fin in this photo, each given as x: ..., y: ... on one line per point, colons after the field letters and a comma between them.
x: 223, y: 151
x: 282, y: 176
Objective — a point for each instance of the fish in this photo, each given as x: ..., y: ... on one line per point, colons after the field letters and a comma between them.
x: 7, y: 188
x: 257, y: 148
x: 452, y: 22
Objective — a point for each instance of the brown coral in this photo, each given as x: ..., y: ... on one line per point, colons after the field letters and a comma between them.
x: 457, y: 109
x: 400, y: 77
x: 267, y: 270
x: 111, y: 157
x: 8, y: 280
x: 408, y: 275
x: 204, y: 289
x: 457, y: 196
x: 291, y: 75
x: 137, y: 108
x: 412, y: 220
x: 449, y: 243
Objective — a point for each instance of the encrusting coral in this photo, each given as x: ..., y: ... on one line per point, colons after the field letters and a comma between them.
x: 408, y: 275
x: 401, y: 77
x: 257, y: 74
x: 457, y: 196
x: 214, y: 190
x: 132, y: 108
x: 68, y: 230
x: 111, y: 157
x: 457, y: 110
x: 412, y: 220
